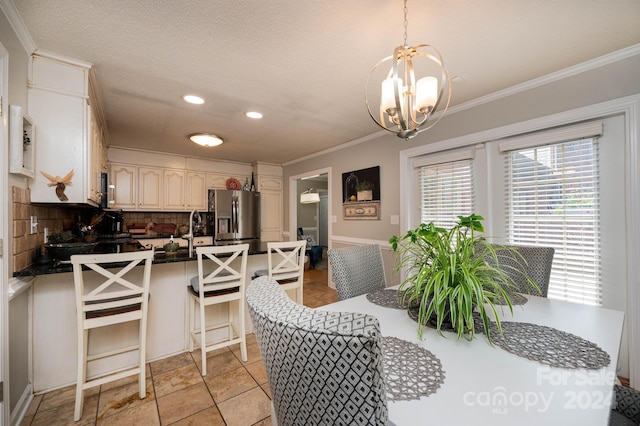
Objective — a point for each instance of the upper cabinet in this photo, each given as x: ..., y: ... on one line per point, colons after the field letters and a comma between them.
x: 269, y: 183
x: 71, y: 132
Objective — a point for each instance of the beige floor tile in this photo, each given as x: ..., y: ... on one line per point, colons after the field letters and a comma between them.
x: 251, y: 338
x: 209, y: 417
x: 139, y: 415
x: 171, y: 363
x: 265, y: 422
x: 253, y: 353
x: 246, y: 409
x: 62, y: 415
x: 230, y: 384
x: 177, y: 379
x: 33, y: 407
x: 183, y: 403
x: 266, y: 389
x: 125, y: 380
x: 118, y: 399
x: 220, y: 364
x: 257, y: 371
x: 64, y: 395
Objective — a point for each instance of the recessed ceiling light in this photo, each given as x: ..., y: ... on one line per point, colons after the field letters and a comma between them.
x: 193, y: 99
x: 253, y: 114
x: 206, y: 139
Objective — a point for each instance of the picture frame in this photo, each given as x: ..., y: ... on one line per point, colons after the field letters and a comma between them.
x: 361, y: 194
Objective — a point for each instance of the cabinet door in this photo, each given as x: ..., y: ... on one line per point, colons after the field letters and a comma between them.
x: 196, y: 191
x: 124, y: 179
x: 149, y: 188
x: 173, y: 183
x: 271, y: 216
x: 95, y: 166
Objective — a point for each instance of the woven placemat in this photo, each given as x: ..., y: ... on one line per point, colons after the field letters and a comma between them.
x: 385, y: 298
x: 549, y: 346
x: 411, y: 371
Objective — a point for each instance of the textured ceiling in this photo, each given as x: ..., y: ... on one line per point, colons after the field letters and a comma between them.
x: 302, y: 63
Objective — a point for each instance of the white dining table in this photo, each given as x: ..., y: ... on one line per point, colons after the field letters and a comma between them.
x: 486, y: 385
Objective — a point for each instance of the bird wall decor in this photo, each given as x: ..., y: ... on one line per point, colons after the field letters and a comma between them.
x: 59, y: 183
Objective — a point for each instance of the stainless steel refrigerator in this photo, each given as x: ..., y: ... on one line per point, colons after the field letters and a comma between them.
x: 234, y: 215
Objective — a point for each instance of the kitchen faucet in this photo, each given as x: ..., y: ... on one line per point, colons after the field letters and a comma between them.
x: 189, y: 236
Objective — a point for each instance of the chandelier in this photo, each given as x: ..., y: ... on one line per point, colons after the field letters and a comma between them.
x: 409, y: 106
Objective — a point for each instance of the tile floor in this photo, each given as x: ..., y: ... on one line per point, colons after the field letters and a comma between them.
x: 232, y: 393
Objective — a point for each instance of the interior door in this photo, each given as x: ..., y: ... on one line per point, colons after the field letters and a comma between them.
x: 323, y: 213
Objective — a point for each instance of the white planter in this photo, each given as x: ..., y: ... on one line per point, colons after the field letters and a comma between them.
x: 365, y: 195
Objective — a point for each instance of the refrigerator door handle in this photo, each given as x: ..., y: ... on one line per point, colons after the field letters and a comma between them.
x: 234, y: 214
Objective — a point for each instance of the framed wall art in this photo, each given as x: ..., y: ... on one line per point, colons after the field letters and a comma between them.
x: 361, y: 194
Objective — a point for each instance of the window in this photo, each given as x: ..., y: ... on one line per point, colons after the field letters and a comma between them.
x: 552, y: 199
x: 446, y: 191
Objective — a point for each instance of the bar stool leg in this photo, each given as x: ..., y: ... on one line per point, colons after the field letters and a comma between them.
x: 142, y: 356
x: 203, y: 342
x: 83, y: 337
x: 243, y: 342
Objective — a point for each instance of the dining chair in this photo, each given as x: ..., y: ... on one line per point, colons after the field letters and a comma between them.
x: 314, y: 379
x: 286, y: 265
x: 224, y: 284
x: 536, y: 266
x: 357, y: 270
x: 626, y: 408
x: 106, y: 297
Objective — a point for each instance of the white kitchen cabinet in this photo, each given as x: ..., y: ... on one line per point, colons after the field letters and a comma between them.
x: 269, y: 183
x: 59, y: 93
x: 150, y: 188
x: 196, y: 191
x: 173, y: 183
x: 124, y: 178
x: 97, y: 159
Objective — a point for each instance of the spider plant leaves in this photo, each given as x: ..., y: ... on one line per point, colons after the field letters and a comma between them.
x: 452, y: 274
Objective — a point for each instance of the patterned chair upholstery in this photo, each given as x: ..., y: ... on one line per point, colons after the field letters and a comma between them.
x: 537, y: 266
x: 626, y: 409
x: 323, y: 368
x: 357, y: 270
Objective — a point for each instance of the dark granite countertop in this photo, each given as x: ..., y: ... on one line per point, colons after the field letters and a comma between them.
x: 255, y: 247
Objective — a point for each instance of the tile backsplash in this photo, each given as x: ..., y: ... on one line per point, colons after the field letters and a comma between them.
x: 27, y: 246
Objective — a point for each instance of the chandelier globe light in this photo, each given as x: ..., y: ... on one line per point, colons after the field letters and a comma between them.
x: 409, y: 104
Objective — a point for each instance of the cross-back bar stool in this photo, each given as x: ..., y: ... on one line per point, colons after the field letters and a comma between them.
x: 225, y: 284
x: 286, y: 265
x: 115, y: 295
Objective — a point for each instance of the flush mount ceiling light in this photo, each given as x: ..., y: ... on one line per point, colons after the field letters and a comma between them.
x: 254, y: 114
x: 193, y: 99
x: 206, y: 139
x: 407, y: 105
x: 308, y: 197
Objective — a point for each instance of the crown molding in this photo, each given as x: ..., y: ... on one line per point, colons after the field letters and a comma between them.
x: 592, y: 64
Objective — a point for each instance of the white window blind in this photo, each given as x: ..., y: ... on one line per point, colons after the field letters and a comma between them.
x: 552, y: 200
x: 446, y: 191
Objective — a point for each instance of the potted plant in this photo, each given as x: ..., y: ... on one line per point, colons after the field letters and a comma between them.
x: 452, y: 274
x: 171, y: 247
x: 364, y: 191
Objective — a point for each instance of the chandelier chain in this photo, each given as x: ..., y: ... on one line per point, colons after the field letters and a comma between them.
x: 406, y: 23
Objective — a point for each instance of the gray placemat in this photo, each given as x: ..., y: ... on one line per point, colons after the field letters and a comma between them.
x: 385, y: 298
x: 411, y: 371
x: 549, y: 346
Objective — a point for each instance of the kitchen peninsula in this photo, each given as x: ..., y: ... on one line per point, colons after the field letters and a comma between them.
x: 54, y: 317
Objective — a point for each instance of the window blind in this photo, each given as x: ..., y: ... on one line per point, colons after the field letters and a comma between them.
x: 552, y: 200
x: 446, y: 191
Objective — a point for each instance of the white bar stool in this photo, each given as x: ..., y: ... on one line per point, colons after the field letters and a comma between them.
x: 117, y: 299
x: 286, y: 265
x: 225, y: 284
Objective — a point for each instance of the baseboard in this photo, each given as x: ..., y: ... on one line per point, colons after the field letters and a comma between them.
x: 18, y: 413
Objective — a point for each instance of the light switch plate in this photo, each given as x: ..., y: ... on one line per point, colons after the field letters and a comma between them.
x: 34, y: 225
x: 395, y: 219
